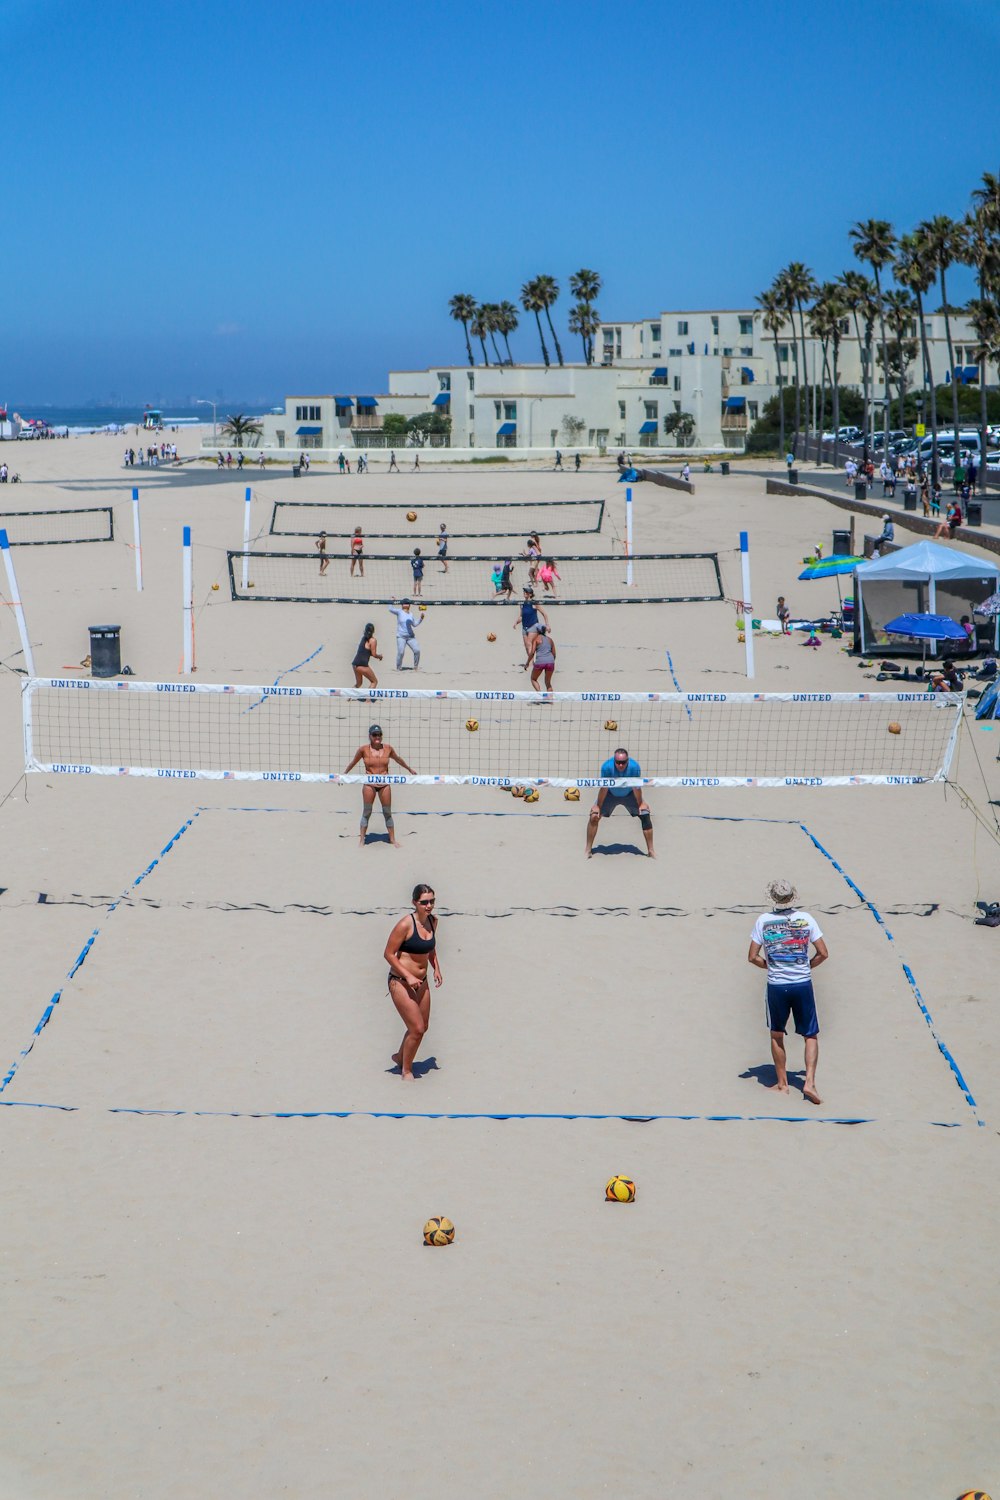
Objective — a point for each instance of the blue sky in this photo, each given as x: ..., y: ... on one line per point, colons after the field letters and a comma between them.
x: 257, y: 199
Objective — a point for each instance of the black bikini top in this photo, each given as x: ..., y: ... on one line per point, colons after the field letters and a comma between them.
x: 416, y: 944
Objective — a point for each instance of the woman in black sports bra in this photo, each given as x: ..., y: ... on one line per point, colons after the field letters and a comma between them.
x: 411, y: 949
x: 367, y: 648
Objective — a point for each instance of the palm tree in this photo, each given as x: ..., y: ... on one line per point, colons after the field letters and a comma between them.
x: 479, y: 323
x: 547, y: 291
x: 859, y: 294
x: 983, y: 252
x: 913, y: 270
x: 585, y: 320
x: 875, y: 244
x: 507, y: 321
x: 239, y: 427
x: 771, y: 312
x: 463, y: 309
x: 491, y: 314
x: 944, y: 243
x: 823, y: 323
x: 799, y: 286
x: 532, y: 302
x: 586, y: 288
x: 899, y: 310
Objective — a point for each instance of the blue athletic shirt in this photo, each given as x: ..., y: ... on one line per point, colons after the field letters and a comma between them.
x: 609, y: 769
x: 529, y: 614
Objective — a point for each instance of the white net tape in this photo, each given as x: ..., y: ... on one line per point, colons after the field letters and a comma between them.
x: 216, y: 732
x: 51, y: 528
x: 513, y: 518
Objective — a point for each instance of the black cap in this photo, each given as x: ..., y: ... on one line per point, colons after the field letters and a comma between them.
x: 374, y: 729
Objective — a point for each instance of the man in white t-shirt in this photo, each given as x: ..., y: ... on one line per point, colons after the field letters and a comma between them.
x: 780, y: 944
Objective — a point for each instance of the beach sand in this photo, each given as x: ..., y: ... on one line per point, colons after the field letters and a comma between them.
x: 214, y: 1276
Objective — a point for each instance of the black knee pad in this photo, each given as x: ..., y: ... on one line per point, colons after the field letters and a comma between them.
x: 645, y: 822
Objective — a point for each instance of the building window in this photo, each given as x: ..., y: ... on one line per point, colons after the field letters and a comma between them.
x: 307, y: 414
x: 652, y: 410
x: 727, y: 351
x: 746, y: 349
x: 845, y: 325
x: 746, y: 326
x: 715, y: 323
x: 682, y: 327
x: 783, y: 354
x: 621, y: 411
x: 676, y: 353
x: 444, y: 381
x: 752, y: 410
x: 654, y: 332
x: 472, y: 380
x: 314, y: 414
x: 510, y: 411
x: 677, y: 406
x: 472, y: 412
x: 497, y: 408
x: 300, y: 414
x: 655, y: 379
x: 677, y: 384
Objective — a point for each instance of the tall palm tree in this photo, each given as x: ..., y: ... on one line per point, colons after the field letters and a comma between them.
x: 771, y: 312
x: 547, y: 291
x: 875, y: 244
x: 532, y: 302
x: 586, y: 288
x: 983, y: 252
x: 585, y: 321
x: 858, y: 291
x: 913, y: 269
x: 507, y: 321
x: 479, y: 323
x: 823, y: 325
x: 463, y: 309
x: 899, y: 309
x: 799, y: 285
x: 944, y: 243
x: 491, y: 313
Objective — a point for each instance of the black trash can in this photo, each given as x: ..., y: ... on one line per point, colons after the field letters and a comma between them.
x: 105, y: 651
x: 296, y: 470
x: 724, y: 467
x: 973, y: 513
x: 841, y: 544
x: 910, y: 501
x: 860, y: 490
x: 793, y: 476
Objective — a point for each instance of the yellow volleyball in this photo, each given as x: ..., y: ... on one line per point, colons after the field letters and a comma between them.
x: 531, y: 795
x: 411, y: 515
x: 439, y: 1231
x: 215, y: 588
x: 572, y: 794
x: 472, y: 725
x: 611, y: 724
x: 517, y: 791
x: 895, y: 728
x: 620, y: 1190
x: 491, y: 636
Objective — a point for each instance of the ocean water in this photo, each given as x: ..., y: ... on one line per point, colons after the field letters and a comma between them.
x: 98, y: 418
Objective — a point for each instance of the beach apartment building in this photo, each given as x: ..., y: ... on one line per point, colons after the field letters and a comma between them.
x: 720, y: 366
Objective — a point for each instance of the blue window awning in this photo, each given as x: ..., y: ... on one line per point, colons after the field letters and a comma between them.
x: 342, y: 401
x: 690, y: 348
x: 367, y: 402
x: 736, y: 403
x: 648, y: 427
x: 442, y: 398
x: 660, y: 373
x: 308, y: 431
x: 748, y: 375
x: 971, y: 374
x: 506, y: 429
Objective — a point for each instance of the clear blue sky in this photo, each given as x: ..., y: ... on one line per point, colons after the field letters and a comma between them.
x: 263, y: 198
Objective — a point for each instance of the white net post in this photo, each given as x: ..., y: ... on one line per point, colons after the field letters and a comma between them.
x: 747, y: 608
x: 15, y: 599
x: 628, y: 535
x: 246, y: 538
x: 137, y: 533
x: 188, y: 606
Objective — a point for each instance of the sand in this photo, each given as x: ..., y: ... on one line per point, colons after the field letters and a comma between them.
x: 214, y: 1277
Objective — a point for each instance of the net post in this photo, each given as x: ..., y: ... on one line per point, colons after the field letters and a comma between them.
x: 15, y: 599
x: 27, y: 693
x: 246, y: 538
x: 747, y: 607
x: 137, y: 533
x: 188, y: 605
x: 628, y: 534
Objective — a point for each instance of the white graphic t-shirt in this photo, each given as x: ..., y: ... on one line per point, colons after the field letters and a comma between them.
x: 785, y: 937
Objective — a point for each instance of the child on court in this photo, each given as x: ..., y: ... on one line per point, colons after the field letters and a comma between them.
x: 417, y: 565
x: 549, y: 575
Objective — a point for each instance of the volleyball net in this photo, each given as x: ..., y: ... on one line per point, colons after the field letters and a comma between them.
x: 52, y: 528
x: 383, y: 521
x: 295, y: 578
x: 234, y: 732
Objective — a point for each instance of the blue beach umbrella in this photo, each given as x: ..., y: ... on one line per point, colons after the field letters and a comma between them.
x: 926, y: 628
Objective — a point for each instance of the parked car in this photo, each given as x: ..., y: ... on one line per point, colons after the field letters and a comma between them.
x: 844, y: 434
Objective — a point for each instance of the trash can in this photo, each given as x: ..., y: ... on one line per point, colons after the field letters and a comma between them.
x: 105, y: 650
x: 724, y: 467
x: 793, y: 476
x: 296, y: 470
x: 860, y: 490
x: 841, y: 544
x: 910, y: 501
x: 974, y: 513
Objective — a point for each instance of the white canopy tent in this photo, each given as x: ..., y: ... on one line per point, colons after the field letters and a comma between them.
x: 926, y: 578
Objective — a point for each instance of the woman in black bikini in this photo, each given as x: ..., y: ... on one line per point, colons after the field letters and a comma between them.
x: 412, y: 946
x: 367, y: 648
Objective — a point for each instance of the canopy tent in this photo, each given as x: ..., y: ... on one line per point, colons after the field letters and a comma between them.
x: 925, y: 578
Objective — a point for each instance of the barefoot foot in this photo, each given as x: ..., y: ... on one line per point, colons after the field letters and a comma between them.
x: 809, y: 1092
x: 777, y: 1088
x: 397, y: 1058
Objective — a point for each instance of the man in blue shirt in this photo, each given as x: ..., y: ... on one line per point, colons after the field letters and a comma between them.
x: 610, y: 798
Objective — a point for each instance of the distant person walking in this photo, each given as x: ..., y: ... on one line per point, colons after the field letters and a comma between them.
x: 416, y: 463
x: 576, y: 462
x: 779, y: 944
x: 392, y: 462
x: 324, y: 561
x: 558, y: 462
x: 442, y: 551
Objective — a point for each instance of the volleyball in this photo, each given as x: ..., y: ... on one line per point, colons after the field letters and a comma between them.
x: 611, y: 724
x: 531, y: 795
x: 894, y: 728
x: 974, y: 1495
x: 491, y: 636
x: 517, y: 791
x: 250, y: 584
x: 423, y: 609
x: 215, y: 588
x: 472, y: 725
x: 620, y: 1190
x: 439, y: 1231
x: 572, y: 794
x: 411, y: 515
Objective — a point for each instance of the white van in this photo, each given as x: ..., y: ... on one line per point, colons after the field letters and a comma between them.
x: 968, y: 440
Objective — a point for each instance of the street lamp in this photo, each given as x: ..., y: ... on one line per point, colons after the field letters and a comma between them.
x: 202, y: 401
x: 535, y: 401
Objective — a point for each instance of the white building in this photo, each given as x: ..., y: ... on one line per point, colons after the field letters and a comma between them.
x: 719, y: 366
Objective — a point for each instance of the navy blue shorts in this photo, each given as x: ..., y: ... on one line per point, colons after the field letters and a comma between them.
x: 630, y: 802
x: 797, y: 999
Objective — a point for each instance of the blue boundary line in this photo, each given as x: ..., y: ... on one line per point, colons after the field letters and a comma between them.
x: 84, y: 953
x: 677, y: 686
x: 286, y: 673
x: 942, y: 1048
